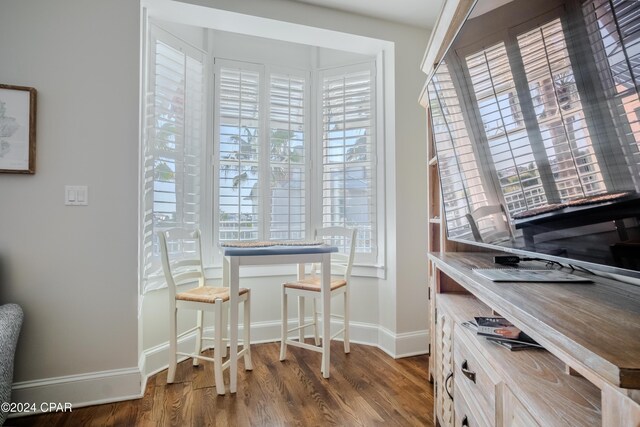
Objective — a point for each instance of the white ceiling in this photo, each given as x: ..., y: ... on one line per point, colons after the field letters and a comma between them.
x: 420, y: 13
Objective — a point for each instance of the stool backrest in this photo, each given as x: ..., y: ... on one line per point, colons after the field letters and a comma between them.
x: 181, y: 254
x: 345, y: 239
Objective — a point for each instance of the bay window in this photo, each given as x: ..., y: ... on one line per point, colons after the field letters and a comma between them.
x: 290, y: 150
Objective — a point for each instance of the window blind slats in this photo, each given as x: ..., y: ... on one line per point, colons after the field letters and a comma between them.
x: 244, y: 172
x: 287, y: 157
x: 348, y: 177
x: 173, y: 147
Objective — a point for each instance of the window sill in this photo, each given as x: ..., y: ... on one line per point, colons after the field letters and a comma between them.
x: 370, y: 271
x: 157, y: 282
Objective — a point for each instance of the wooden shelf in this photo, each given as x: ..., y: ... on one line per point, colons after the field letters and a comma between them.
x: 541, y: 383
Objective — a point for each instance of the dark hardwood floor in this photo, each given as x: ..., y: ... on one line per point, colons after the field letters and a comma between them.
x: 366, y: 388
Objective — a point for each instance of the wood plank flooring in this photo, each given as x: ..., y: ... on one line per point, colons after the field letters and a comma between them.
x: 366, y: 388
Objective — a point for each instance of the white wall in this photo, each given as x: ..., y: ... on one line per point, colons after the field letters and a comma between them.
x: 195, y: 36
x: 73, y: 269
x: 242, y: 47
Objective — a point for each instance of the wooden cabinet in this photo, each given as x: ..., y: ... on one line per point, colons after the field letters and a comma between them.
x: 580, y: 378
x: 589, y: 374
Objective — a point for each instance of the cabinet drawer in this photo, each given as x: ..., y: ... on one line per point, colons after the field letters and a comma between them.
x: 473, y: 376
x: 514, y: 413
x: 464, y: 416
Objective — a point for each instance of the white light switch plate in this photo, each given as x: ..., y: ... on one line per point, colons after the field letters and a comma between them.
x: 76, y: 195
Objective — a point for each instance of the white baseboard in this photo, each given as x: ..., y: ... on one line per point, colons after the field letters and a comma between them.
x: 125, y: 384
x: 403, y: 345
x: 387, y: 341
x: 78, y: 390
x: 397, y: 346
x: 412, y: 344
x: 156, y: 359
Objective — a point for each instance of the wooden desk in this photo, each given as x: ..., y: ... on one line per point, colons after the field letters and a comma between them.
x: 236, y: 257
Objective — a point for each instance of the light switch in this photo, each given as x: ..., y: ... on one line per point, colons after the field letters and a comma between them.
x: 76, y: 195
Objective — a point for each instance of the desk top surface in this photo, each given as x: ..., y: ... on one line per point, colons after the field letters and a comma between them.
x: 278, y: 250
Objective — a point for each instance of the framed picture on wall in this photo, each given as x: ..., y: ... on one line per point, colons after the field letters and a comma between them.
x: 17, y: 129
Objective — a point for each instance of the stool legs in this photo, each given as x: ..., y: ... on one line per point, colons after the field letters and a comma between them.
x: 248, y: 366
x: 316, y: 334
x: 199, y: 331
x: 300, y: 319
x: 173, y: 343
x: 345, y: 334
x: 225, y: 331
x: 284, y: 327
x: 217, y: 352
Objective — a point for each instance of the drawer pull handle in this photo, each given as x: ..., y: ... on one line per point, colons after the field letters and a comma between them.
x: 467, y: 373
x: 446, y: 386
x: 465, y: 422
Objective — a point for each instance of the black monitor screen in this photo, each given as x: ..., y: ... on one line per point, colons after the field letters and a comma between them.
x: 536, y: 123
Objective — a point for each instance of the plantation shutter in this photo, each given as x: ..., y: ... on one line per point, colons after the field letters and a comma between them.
x: 173, y: 144
x: 238, y: 140
x: 349, y: 153
x: 287, y: 156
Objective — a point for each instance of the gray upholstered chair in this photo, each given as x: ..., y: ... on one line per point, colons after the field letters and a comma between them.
x: 10, y: 323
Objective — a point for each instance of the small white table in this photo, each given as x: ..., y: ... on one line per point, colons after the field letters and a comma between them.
x: 234, y: 257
